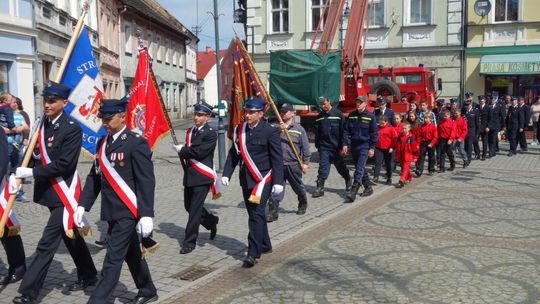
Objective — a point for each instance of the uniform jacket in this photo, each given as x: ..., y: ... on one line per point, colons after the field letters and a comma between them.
x: 63, y: 138
x: 329, y: 130
x: 399, y: 128
x: 137, y: 172
x: 387, y: 112
x: 203, y: 144
x: 361, y: 129
x: 428, y: 132
x: 526, y: 115
x: 301, y: 142
x: 446, y: 129
x: 473, y: 123
x: 387, y: 137
x: 514, y: 118
x: 264, y: 146
x: 407, y: 148
x: 497, y: 119
x: 4, y: 158
x: 461, y: 128
x: 485, y: 116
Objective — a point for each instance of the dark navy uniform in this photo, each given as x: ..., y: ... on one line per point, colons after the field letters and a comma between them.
x: 484, y: 113
x: 197, y: 185
x: 264, y: 146
x: 495, y: 124
x: 386, y: 112
x: 12, y: 244
x: 361, y: 129
x: 329, y: 140
x: 137, y: 170
x: 473, y: 130
x: 64, y: 138
x: 526, y: 110
x: 514, y: 122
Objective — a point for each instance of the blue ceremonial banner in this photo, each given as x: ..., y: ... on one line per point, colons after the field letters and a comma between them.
x: 82, y: 77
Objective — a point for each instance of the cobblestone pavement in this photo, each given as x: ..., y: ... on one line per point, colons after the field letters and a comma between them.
x: 225, y: 251
x: 468, y: 236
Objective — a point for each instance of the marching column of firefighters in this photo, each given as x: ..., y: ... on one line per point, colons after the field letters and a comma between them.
x: 124, y: 175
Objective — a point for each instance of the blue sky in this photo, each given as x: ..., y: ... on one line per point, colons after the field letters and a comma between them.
x: 186, y: 12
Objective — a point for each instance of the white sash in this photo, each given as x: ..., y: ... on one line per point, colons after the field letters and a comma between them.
x: 12, y: 223
x: 204, y: 169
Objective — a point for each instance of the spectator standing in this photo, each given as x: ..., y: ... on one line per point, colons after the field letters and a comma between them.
x: 526, y: 113
x: 535, y: 111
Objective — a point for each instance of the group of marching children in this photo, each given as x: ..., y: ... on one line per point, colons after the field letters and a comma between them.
x: 420, y: 135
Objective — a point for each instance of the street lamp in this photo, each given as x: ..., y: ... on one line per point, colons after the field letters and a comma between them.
x: 345, y: 14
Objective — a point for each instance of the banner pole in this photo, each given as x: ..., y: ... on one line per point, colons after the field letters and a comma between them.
x: 34, y: 138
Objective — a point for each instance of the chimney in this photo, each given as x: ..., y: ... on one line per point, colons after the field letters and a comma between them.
x: 208, y: 49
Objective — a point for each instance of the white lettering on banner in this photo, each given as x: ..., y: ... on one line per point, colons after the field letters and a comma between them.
x: 90, y: 139
x: 89, y: 65
x: 136, y: 87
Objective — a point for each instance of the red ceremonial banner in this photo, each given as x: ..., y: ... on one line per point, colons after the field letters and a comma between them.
x: 144, y: 113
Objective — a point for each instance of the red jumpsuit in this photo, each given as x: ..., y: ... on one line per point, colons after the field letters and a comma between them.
x: 407, y: 149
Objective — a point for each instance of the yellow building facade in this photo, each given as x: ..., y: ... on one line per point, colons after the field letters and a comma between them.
x: 502, y: 54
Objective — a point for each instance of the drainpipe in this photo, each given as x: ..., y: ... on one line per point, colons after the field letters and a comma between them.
x: 464, y: 18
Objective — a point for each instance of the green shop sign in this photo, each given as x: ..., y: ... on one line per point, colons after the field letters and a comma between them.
x: 510, y: 67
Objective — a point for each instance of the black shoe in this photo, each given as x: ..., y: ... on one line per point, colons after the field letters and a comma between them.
x: 319, y: 191
x: 465, y: 164
x: 348, y: 184
x: 430, y: 173
x: 11, y: 278
x: 375, y: 180
x: 249, y: 262
x: 451, y: 168
x: 22, y: 299
x: 82, y: 284
x: 368, y: 190
x: 477, y: 156
x: 302, y: 205
x: 417, y: 173
x: 142, y: 299
x: 186, y: 250
x: 388, y: 181
x: 442, y: 170
x: 213, y: 230
x: 102, y: 243
x: 483, y: 158
x: 510, y: 154
x: 400, y: 184
x: 267, y: 251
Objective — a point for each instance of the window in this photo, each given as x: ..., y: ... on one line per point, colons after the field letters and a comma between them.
x: 376, y: 13
x: 62, y: 20
x: 4, y: 84
x: 167, y: 52
x: 158, y: 48
x: 127, y: 37
x: 46, y: 12
x: 150, y: 45
x: 420, y: 11
x: 506, y: 10
x: 280, y: 16
x: 317, y: 7
x: 409, y: 79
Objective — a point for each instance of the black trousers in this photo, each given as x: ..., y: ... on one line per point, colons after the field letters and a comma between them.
x: 511, y: 135
x: 258, y: 237
x: 327, y: 156
x: 46, y: 248
x: 14, y: 248
x: 469, y: 140
x: 424, y: 149
x: 445, y: 149
x: 382, y: 155
x: 484, y: 137
x: 522, y: 140
x: 492, y: 142
x: 122, y: 245
x: 194, y: 203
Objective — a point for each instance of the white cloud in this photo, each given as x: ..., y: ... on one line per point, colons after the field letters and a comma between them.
x: 186, y: 12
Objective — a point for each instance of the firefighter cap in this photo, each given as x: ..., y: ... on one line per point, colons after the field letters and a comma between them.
x: 109, y: 107
x: 55, y: 90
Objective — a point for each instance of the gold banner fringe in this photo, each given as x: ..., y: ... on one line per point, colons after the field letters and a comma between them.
x: 85, y: 231
x: 216, y: 196
x: 254, y: 199
x: 14, y: 230
x: 70, y: 234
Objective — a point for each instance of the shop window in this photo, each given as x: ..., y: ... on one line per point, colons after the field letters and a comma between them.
x: 280, y: 16
x: 506, y: 10
x: 4, y: 83
x: 375, y: 13
x: 420, y: 11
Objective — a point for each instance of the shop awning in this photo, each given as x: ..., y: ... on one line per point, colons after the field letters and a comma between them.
x: 514, y: 64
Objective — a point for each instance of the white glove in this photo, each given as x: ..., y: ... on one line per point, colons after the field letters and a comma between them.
x: 23, y: 172
x: 13, y: 189
x: 145, y: 226
x: 225, y: 181
x: 78, y: 215
x: 277, y: 189
x: 177, y: 148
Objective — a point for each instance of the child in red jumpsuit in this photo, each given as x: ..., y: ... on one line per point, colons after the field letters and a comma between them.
x: 446, y: 134
x: 386, y: 143
x: 427, y: 136
x: 407, y: 149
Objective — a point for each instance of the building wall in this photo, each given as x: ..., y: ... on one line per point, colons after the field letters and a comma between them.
x: 109, y: 46
x: 17, y: 59
x: 395, y: 41
x: 169, y: 63
x: 191, y: 76
x: 486, y: 36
